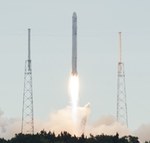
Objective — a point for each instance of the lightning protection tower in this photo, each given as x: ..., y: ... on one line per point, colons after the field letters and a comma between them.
x: 122, y: 115
x: 27, y: 109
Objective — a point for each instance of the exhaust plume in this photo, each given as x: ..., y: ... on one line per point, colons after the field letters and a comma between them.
x: 74, y: 97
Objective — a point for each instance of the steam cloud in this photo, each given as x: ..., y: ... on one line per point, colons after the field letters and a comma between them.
x: 143, y: 132
x: 8, y: 127
x: 62, y: 121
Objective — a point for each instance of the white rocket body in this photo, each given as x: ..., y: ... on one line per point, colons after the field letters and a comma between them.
x: 74, y: 44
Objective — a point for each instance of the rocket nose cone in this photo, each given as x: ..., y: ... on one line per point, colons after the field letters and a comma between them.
x: 74, y: 14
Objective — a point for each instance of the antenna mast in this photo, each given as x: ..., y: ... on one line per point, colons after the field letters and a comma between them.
x: 120, y: 48
x: 29, y: 56
x: 122, y: 115
x: 27, y: 109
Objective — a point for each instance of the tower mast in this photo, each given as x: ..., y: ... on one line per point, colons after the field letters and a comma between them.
x: 120, y: 48
x: 122, y: 115
x: 27, y: 109
x: 29, y: 56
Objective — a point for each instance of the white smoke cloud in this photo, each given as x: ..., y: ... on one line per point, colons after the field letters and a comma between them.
x: 62, y: 121
x: 143, y: 132
x: 2, y: 122
x: 8, y: 127
x: 108, y: 125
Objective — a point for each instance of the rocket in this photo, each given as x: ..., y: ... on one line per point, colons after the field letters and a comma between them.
x: 74, y: 44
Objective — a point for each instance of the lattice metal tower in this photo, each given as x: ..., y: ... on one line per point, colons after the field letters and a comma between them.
x: 122, y: 115
x: 27, y: 109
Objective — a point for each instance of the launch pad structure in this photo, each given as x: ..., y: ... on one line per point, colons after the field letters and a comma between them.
x: 27, y: 126
x: 122, y: 115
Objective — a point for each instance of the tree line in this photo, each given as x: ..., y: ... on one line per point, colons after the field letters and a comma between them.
x: 65, y: 137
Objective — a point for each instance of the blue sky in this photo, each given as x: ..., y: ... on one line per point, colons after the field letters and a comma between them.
x: 99, y: 22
